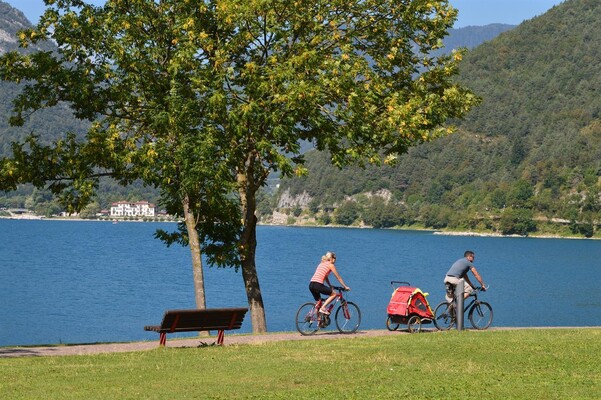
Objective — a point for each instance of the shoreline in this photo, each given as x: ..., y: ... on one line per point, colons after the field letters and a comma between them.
x: 498, y: 235
x: 31, y: 217
x: 75, y: 219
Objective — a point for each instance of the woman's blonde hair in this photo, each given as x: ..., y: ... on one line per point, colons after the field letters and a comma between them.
x: 329, y: 255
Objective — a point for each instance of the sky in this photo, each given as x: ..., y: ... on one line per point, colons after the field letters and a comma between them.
x: 471, y: 12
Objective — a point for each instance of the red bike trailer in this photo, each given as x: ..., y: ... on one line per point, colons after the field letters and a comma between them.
x: 408, y: 306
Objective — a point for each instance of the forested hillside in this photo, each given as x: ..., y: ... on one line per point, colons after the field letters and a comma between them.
x: 528, y: 156
x: 48, y: 123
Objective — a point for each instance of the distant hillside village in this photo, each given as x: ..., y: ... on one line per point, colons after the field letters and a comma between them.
x: 119, y: 210
x: 127, y: 209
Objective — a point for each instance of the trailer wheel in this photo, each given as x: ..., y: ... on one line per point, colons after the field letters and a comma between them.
x: 414, y: 324
x: 391, y: 325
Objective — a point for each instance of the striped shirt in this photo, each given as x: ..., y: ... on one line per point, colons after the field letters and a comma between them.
x: 322, y: 271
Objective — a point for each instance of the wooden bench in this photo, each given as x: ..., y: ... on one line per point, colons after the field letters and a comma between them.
x: 211, y: 319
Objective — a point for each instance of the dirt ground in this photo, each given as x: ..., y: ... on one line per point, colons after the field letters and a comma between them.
x: 230, y: 339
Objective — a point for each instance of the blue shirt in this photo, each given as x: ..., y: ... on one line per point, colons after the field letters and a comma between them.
x: 460, y: 267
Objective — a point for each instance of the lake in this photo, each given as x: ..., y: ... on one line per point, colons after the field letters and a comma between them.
x: 85, y: 282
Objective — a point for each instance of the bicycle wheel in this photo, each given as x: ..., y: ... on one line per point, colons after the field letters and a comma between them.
x: 348, y: 317
x: 414, y: 324
x: 307, y: 322
x: 480, y: 315
x: 391, y: 325
x: 444, y: 316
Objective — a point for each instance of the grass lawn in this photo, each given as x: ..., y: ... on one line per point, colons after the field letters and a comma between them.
x: 512, y: 364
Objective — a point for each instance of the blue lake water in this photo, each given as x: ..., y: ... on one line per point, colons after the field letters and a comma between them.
x: 83, y: 282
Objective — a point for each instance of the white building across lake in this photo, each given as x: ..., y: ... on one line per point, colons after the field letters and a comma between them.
x: 137, y: 209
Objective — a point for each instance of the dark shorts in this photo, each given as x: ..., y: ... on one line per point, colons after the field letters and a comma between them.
x: 317, y: 289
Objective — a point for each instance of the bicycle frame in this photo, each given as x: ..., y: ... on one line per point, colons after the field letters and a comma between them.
x: 339, y: 299
x: 479, y: 312
x: 348, y: 316
x: 472, y: 301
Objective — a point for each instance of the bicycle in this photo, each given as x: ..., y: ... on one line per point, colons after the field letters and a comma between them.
x: 348, y: 316
x: 479, y: 312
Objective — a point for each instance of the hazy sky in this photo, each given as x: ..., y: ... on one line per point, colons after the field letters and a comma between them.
x: 471, y: 12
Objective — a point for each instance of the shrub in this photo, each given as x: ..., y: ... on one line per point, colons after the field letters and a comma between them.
x: 517, y: 221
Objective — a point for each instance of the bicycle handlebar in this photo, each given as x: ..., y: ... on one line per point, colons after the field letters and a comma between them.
x: 339, y: 288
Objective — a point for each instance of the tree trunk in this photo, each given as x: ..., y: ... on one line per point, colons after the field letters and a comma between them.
x: 247, y: 256
x: 194, y: 243
x: 251, y: 282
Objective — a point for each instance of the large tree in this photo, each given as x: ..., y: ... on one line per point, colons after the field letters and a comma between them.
x: 204, y: 99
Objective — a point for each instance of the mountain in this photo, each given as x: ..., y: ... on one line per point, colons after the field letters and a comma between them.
x: 11, y: 21
x: 529, y: 155
x: 472, y: 36
x: 50, y: 123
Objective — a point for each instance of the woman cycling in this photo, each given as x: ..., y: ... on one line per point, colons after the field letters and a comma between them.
x: 320, y: 276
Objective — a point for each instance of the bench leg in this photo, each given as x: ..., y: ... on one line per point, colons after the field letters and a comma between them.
x: 220, y: 335
x: 162, y: 338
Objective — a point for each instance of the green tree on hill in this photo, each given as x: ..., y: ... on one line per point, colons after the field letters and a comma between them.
x: 347, y: 213
x: 204, y: 99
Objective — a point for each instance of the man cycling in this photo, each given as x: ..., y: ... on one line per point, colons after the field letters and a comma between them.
x: 458, y: 272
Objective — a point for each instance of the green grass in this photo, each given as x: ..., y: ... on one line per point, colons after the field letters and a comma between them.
x: 513, y: 364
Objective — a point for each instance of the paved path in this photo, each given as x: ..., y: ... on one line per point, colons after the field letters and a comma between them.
x: 230, y: 339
